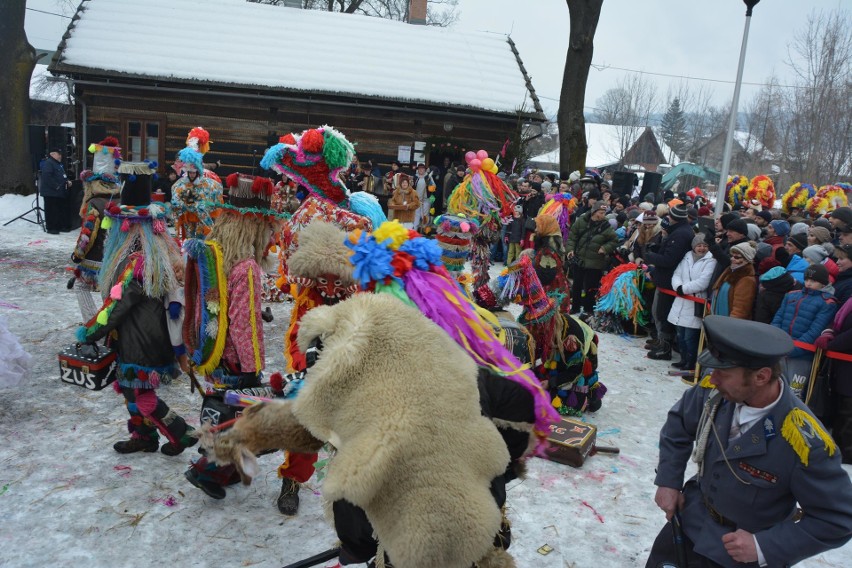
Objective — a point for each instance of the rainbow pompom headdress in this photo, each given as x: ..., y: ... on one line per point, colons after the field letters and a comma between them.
x: 313, y: 159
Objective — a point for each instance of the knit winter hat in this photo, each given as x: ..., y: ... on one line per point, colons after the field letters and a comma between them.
x: 782, y: 228
x: 727, y: 218
x: 753, y: 232
x: 679, y: 212
x: 818, y: 273
x: 765, y: 215
x: 815, y: 254
x: 844, y: 214
x: 773, y: 273
x: 738, y: 226
x: 662, y: 210
x: 704, y: 211
x: 698, y: 239
x: 746, y: 250
x: 650, y: 218
x: 645, y: 206
x: 821, y: 234
x: 822, y: 222
x: 800, y: 240
x: 799, y: 228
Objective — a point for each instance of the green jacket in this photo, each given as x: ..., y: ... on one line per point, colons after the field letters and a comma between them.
x: 587, y: 237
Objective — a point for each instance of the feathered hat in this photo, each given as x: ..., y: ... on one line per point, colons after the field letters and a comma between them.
x: 797, y: 196
x: 762, y: 189
x: 735, y: 190
x: 313, y: 159
x: 105, y: 159
x: 249, y: 195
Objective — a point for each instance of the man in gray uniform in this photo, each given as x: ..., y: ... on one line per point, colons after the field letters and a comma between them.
x: 759, y: 451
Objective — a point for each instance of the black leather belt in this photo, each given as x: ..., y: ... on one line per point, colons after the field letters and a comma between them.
x: 718, y: 518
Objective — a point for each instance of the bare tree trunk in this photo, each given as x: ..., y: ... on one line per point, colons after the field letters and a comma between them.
x: 17, y: 59
x: 583, y: 15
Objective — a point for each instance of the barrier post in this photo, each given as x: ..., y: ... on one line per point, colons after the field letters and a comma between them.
x: 814, y: 372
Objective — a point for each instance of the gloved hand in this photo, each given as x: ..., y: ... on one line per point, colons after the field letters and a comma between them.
x: 174, y: 310
x: 823, y: 340
x: 266, y: 315
x: 680, y: 291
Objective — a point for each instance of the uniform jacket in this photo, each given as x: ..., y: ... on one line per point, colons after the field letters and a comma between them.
x: 742, y: 291
x: 694, y: 276
x: 672, y: 250
x: 770, y: 295
x: 587, y: 237
x: 803, y: 314
x: 52, y: 179
x: 778, y: 478
x: 403, y: 203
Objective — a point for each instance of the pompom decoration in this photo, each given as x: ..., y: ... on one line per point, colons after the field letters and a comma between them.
x: 797, y: 196
x: 762, y: 189
x: 735, y: 190
x: 312, y: 141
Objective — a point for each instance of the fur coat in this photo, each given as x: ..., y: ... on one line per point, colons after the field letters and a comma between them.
x: 413, y: 449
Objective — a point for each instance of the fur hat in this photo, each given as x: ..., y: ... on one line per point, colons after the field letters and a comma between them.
x: 782, y: 228
x: 844, y: 214
x: 746, y: 250
x: 321, y: 251
x: 800, y: 240
x: 662, y: 210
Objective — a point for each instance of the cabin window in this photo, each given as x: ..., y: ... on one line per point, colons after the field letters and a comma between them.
x: 143, y: 140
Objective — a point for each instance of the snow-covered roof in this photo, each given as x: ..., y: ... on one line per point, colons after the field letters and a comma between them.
x: 237, y: 43
x: 604, y: 145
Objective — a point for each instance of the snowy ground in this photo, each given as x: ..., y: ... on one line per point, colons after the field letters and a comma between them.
x: 67, y: 499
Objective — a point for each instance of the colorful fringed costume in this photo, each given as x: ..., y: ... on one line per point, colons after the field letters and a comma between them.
x: 549, y: 260
x: 196, y: 193
x: 621, y: 304
x: 565, y: 347
x: 101, y: 186
x: 224, y: 285
x: 827, y: 199
x: 560, y: 206
x: 137, y: 279
x: 485, y: 198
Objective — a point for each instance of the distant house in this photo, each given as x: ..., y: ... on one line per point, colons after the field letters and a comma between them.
x: 748, y: 157
x: 616, y: 147
x: 148, y: 72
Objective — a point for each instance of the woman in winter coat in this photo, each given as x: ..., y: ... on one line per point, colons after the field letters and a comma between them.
x: 691, y: 277
x: 839, y: 338
x: 735, y: 289
x: 590, y: 242
x: 773, y: 285
x: 404, y: 202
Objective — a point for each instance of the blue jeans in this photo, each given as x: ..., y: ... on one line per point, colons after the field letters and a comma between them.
x: 687, y: 342
x: 500, y: 248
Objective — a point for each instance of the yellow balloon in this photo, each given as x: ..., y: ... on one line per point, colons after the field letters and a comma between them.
x: 487, y: 164
x: 494, y: 169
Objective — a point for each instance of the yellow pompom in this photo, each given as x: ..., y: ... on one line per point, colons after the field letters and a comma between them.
x: 392, y: 230
x: 556, y: 402
x: 432, y: 211
x: 106, y: 222
x: 103, y: 317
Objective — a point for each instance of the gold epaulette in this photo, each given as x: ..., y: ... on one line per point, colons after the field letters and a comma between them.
x: 800, y: 429
x: 705, y: 383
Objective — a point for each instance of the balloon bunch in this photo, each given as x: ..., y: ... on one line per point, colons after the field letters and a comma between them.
x: 479, y: 161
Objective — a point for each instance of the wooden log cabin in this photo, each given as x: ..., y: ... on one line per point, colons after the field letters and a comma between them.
x: 250, y: 73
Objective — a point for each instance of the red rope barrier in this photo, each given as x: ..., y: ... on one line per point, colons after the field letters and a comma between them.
x: 830, y: 354
x: 695, y: 299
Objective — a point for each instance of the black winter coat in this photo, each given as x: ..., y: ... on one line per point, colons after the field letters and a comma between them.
x: 769, y: 296
x: 843, y: 287
x: 52, y: 179
x: 671, y: 252
x: 143, y: 334
x: 532, y: 205
x: 841, y: 371
x: 515, y: 230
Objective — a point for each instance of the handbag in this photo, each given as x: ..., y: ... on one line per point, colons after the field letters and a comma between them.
x: 87, y: 365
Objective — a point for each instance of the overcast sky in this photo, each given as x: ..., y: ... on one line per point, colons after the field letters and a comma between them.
x: 685, y: 38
